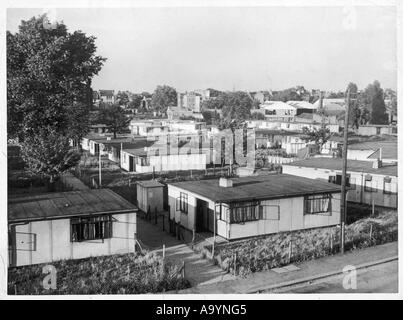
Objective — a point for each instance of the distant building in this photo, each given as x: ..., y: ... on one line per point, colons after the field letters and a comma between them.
x: 107, y: 96
x: 369, y: 181
x: 254, y: 206
x: 69, y: 225
x: 373, y: 130
x: 303, y: 107
x: 278, y: 110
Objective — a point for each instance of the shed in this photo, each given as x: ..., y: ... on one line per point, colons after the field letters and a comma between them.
x: 150, y: 193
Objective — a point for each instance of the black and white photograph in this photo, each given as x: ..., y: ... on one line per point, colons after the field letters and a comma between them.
x: 181, y: 149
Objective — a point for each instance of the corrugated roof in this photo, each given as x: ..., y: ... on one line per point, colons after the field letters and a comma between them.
x: 352, y: 165
x: 59, y: 205
x: 258, y: 187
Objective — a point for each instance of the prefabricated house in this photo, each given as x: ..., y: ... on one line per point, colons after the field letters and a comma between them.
x: 251, y: 206
x: 278, y: 110
x: 150, y: 195
x: 143, y: 160
x: 369, y: 182
x: 373, y: 130
x: 69, y: 225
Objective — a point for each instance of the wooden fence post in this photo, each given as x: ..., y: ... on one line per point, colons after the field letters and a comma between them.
x: 370, y: 232
x: 235, y: 264
x: 290, y: 252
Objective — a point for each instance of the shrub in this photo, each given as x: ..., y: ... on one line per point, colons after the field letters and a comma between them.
x: 258, y: 254
x: 117, y: 274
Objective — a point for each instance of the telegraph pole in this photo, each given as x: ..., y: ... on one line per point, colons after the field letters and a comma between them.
x: 99, y: 167
x: 343, y: 204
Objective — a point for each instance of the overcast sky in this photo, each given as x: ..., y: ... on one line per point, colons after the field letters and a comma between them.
x: 236, y: 48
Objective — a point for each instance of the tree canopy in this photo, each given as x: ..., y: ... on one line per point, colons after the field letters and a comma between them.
x: 163, y: 97
x: 114, y: 118
x: 49, y: 95
x: 49, y: 72
x: 373, y: 100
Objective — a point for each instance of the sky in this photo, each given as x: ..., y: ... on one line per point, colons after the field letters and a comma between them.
x: 231, y: 48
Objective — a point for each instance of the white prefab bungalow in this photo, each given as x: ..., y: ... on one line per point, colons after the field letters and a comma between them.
x: 372, y: 130
x: 278, y: 110
x: 144, y: 160
x: 69, y: 225
x: 369, y: 182
x: 255, y: 205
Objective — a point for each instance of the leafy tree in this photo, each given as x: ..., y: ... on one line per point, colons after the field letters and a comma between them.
x: 122, y: 98
x: 237, y: 106
x: 319, y: 136
x: 257, y: 116
x: 49, y: 72
x: 48, y: 153
x: 135, y: 102
x: 163, y: 97
x: 216, y: 103
x: 373, y: 100
x: 114, y: 118
x: 291, y: 94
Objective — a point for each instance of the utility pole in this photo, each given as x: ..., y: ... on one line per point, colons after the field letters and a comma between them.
x: 343, y: 204
x: 99, y: 166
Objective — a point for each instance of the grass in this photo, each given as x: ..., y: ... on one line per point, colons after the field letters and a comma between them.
x: 259, y: 254
x: 116, y: 274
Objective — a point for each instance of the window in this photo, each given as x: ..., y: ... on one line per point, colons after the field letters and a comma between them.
x: 91, y: 228
x: 369, y: 184
x: 317, y: 204
x: 182, y: 203
x: 388, y: 186
x: 378, y: 130
x: 243, y: 212
x: 270, y: 112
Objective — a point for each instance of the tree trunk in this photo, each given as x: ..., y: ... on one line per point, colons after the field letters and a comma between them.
x: 52, y: 184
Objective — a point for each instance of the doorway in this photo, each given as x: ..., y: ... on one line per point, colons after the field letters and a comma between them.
x: 204, y: 217
x: 132, y: 165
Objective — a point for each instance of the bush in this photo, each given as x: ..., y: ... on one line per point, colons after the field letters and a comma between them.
x: 117, y: 274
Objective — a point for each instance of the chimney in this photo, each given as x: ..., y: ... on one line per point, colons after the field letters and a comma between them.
x: 377, y: 164
x: 225, y: 183
x: 109, y: 138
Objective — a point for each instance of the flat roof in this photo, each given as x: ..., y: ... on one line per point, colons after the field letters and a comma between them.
x: 258, y: 188
x: 62, y: 205
x: 352, y: 165
x: 389, y: 148
x: 149, y: 183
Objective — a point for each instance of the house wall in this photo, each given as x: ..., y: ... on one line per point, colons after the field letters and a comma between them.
x: 53, y: 241
x: 374, y: 130
x: 151, y: 196
x: 291, y: 216
x: 168, y: 162
x: 358, y: 195
x: 92, y: 149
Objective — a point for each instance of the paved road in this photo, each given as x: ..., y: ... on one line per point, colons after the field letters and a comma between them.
x: 382, y: 278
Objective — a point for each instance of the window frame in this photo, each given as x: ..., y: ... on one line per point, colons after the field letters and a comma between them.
x: 182, y: 204
x: 101, y: 224
x: 317, y: 197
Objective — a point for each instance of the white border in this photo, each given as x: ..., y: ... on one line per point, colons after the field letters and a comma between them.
x: 177, y: 3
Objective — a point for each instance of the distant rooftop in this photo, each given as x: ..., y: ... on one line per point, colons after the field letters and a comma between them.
x: 62, y: 205
x: 352, y: 165
x: 389, y: 148
x: 258, y: 188
x: 149, y: 183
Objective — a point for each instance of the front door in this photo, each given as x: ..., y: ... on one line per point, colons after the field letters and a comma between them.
x: 132, y: 166
x: 204, y: 217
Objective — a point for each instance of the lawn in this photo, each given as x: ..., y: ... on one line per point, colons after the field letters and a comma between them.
x: 116, y: 274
